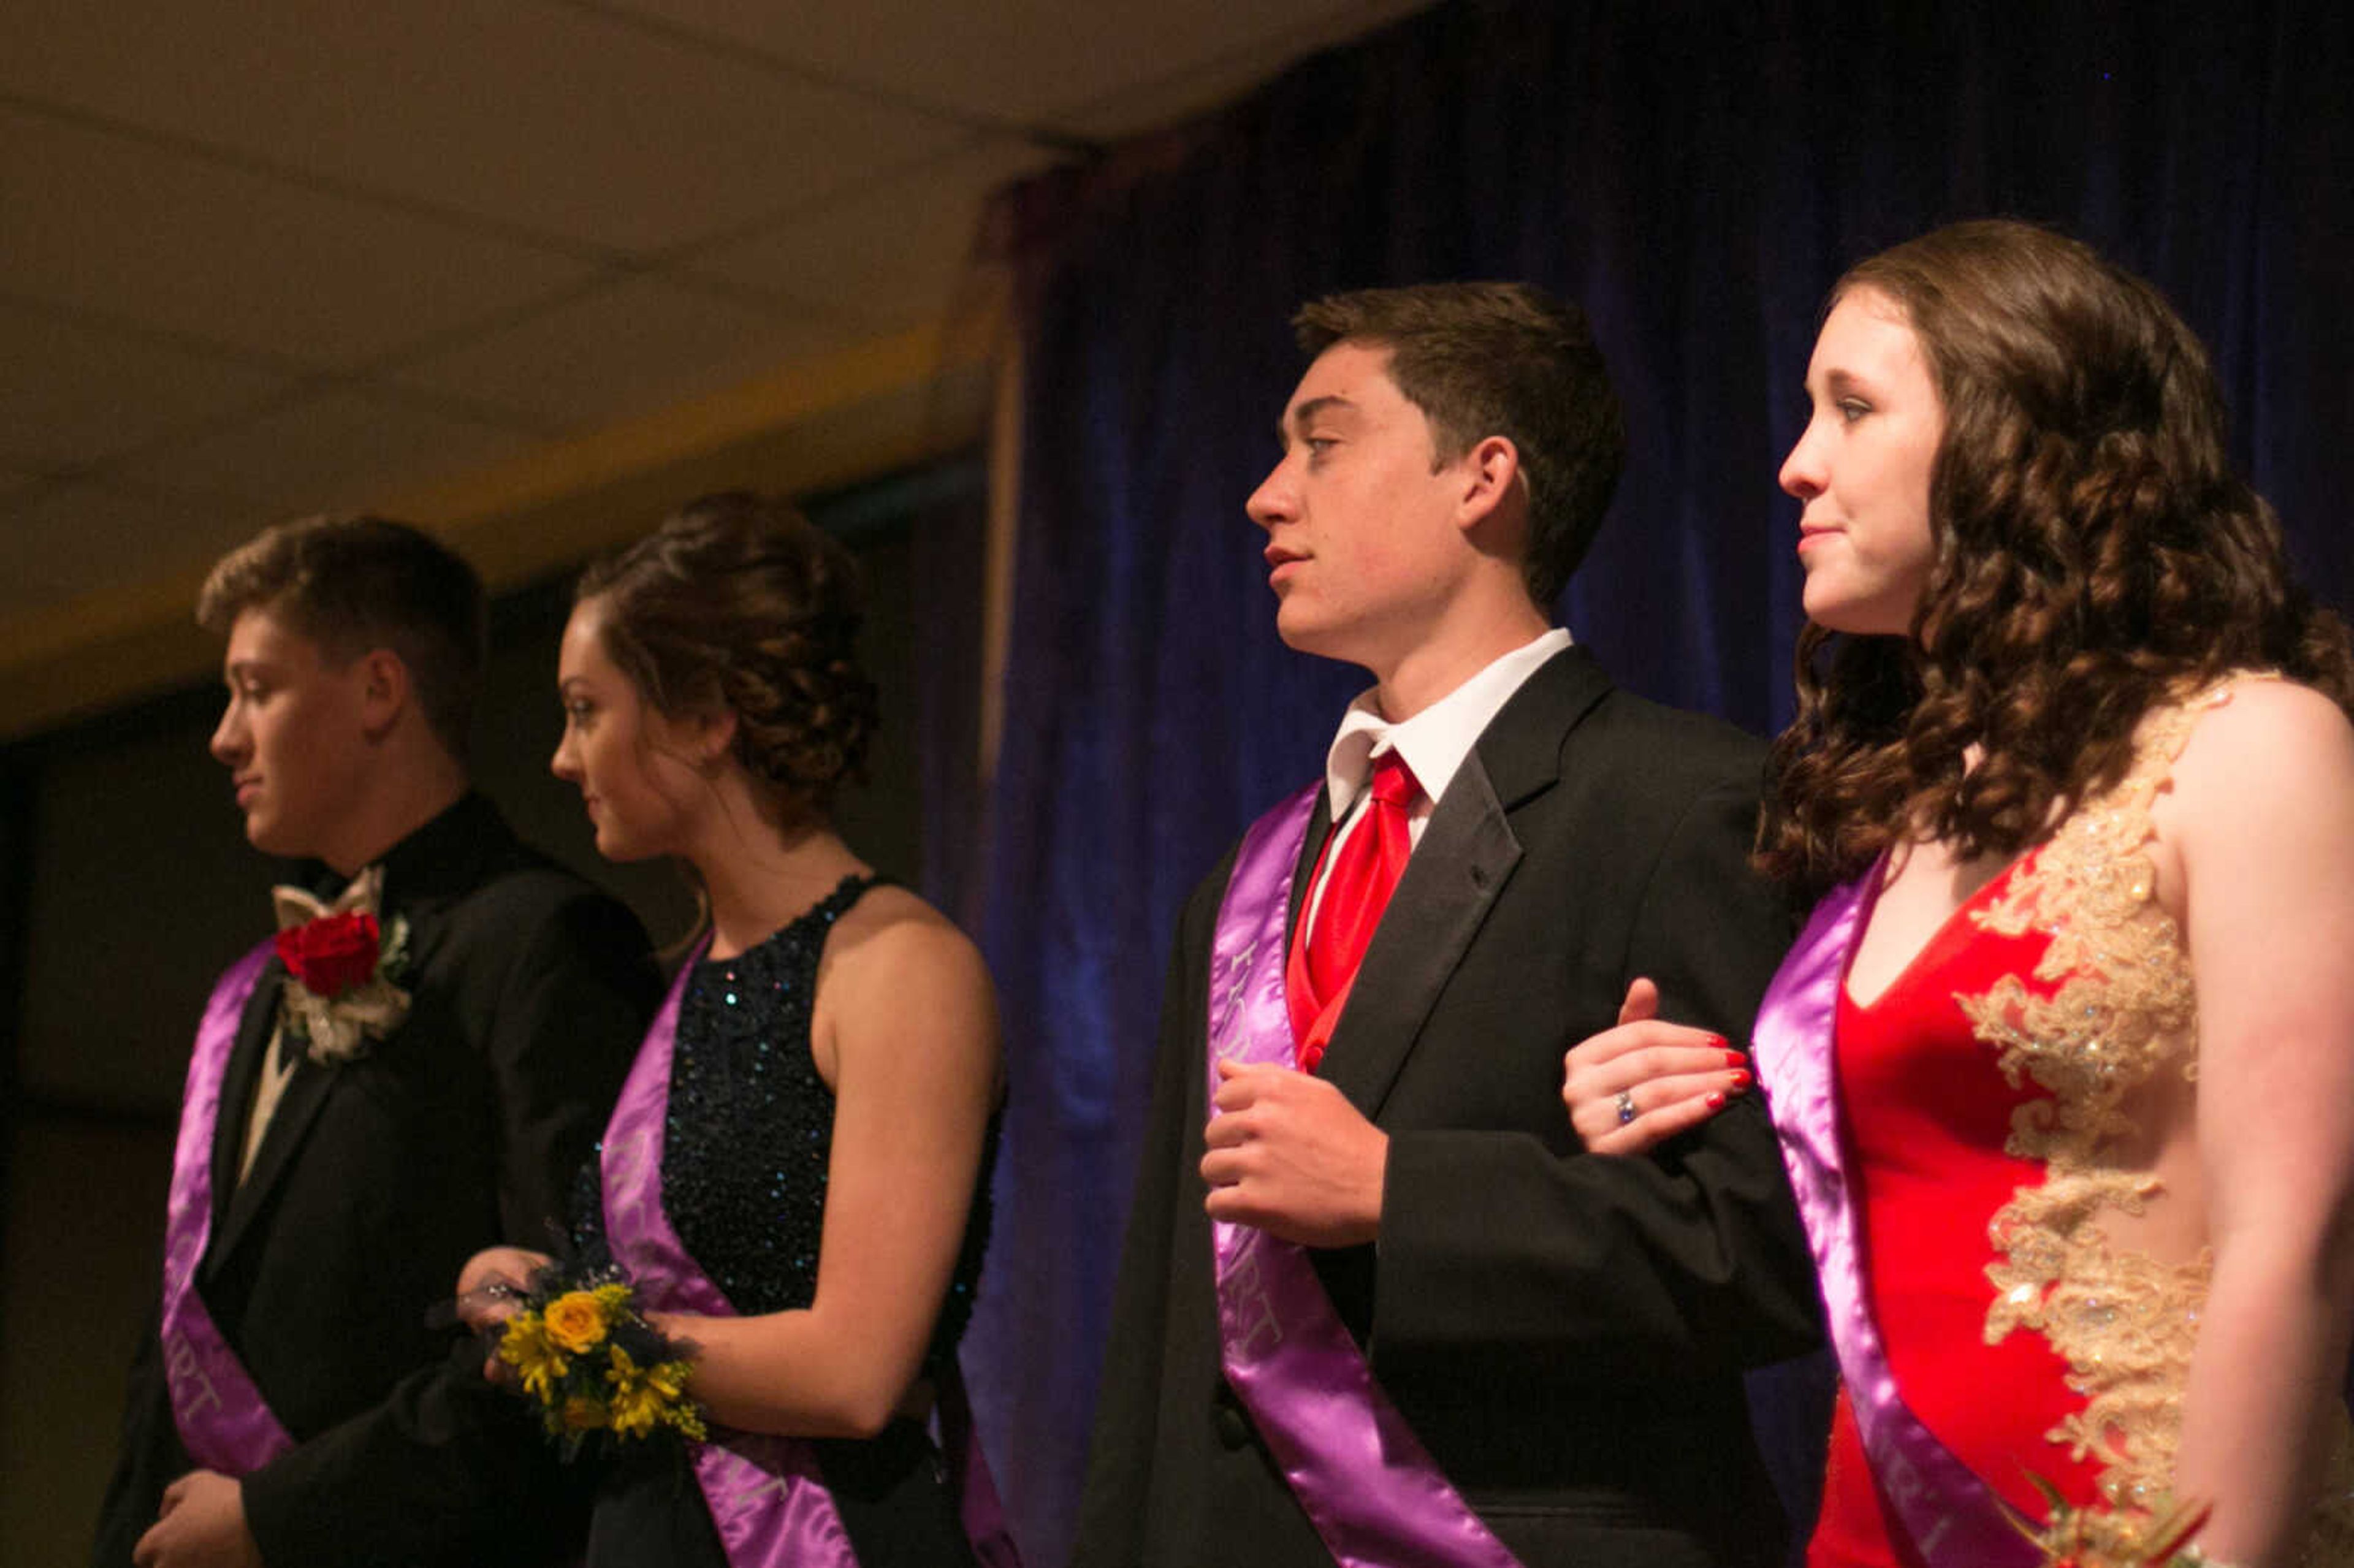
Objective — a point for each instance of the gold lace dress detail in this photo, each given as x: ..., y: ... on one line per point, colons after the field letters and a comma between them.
x: 2115, y: 1005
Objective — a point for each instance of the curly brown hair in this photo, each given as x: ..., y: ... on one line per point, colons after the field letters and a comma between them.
x: 738, y: 601
x: 2095, y: 556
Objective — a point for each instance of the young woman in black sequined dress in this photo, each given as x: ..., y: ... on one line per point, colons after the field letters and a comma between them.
x: 836, y: 1070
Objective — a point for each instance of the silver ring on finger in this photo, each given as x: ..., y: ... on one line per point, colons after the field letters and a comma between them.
x: 1626, y: 1106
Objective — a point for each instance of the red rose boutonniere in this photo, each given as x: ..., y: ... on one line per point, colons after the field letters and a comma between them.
x: 333, y: 953
x: 343, y: 990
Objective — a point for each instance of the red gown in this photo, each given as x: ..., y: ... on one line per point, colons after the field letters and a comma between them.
x: 1926, y: 1119
x: 1992, y: 1098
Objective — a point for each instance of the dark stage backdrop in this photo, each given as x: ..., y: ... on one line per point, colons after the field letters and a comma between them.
x: 1696, y: 175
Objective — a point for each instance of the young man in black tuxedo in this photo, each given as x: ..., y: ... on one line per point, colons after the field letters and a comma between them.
x: 349, y: 1139
x: 1560, y: 1338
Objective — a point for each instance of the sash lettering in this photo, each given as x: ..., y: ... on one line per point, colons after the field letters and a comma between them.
x: 224, y: 1422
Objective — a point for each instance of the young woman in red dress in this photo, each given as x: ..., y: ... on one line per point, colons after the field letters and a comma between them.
x: 2079, y: 750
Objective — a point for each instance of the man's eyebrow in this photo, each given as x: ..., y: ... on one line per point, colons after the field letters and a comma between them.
x: 1306, y: 414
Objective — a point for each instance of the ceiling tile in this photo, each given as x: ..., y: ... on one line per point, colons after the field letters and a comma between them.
x: 548, y: 117
x: 1024, y: 61
x: 71, y: 539
x: 110, y: 225
x: 636, y: 346
x: 893, y: 253
x: 336, y: 450
x: 537, y: 215
x: 1200, y: 85
x: 74, y: 392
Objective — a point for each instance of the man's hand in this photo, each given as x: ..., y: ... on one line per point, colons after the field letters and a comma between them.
x: 1290, y: 1154
x: 201, y: 1525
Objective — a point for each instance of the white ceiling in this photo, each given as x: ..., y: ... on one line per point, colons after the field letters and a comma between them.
x: 264, y: 256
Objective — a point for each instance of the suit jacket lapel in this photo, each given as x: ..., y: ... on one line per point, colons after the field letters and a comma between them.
x: 237, y: 1080
x: 1467, y: 853
x: 306, y: 1090
x: 1311, y: 850
x: 423, y: 874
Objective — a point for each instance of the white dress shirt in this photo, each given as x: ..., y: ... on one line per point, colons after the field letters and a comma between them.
x: 1433, y: 744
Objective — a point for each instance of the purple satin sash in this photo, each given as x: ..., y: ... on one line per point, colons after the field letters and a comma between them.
x: 1954, y: 1519
x: 224, y: 1423
x: 767, y: 1498
x: 1374, y: 1495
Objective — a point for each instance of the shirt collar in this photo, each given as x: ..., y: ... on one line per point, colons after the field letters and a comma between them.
x: 1435, y: 741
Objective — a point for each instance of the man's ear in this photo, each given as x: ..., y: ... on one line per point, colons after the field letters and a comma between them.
x: 1491, y: 481
x: 386, y: 690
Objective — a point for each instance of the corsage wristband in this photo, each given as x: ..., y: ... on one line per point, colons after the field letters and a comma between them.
x: 585, y: 1352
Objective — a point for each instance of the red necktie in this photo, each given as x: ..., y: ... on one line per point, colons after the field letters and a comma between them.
x: 1364, y: 871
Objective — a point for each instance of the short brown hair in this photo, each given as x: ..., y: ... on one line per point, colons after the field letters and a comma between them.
x: 356, y: 583
x: 1500, y: 359
x: 738, y: 601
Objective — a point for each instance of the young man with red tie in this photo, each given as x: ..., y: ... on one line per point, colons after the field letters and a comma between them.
x: 1374, y: 1306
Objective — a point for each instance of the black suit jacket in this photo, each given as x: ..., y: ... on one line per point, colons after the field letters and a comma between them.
x: 374, y: 1183
x: 1564, y: 1333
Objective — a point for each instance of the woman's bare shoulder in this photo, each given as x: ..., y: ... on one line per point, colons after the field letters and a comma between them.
x: 2261, y: 738
x: 2264, y: 785
x: 892, y: 943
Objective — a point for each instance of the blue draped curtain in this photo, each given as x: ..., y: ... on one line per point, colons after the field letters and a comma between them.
x: 1696, y: 176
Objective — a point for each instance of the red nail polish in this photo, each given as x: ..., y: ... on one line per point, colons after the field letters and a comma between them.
x: 1740, y: 1080
x: 1735, y: 1059
x: 1719, y: 1040
x: 1715, y: 1100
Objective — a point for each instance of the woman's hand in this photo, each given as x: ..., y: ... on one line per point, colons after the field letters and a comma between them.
x: 489, y: 1289
x: 493, y: 1281
x: 1631, y: 1089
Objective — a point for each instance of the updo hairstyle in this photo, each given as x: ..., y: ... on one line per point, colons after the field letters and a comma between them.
x: 738, y: 601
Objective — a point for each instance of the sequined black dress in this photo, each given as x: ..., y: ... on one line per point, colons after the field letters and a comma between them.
x: 748, y: 1132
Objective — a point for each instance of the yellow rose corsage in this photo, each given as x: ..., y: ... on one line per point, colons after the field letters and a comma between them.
x: 586, y: 1356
